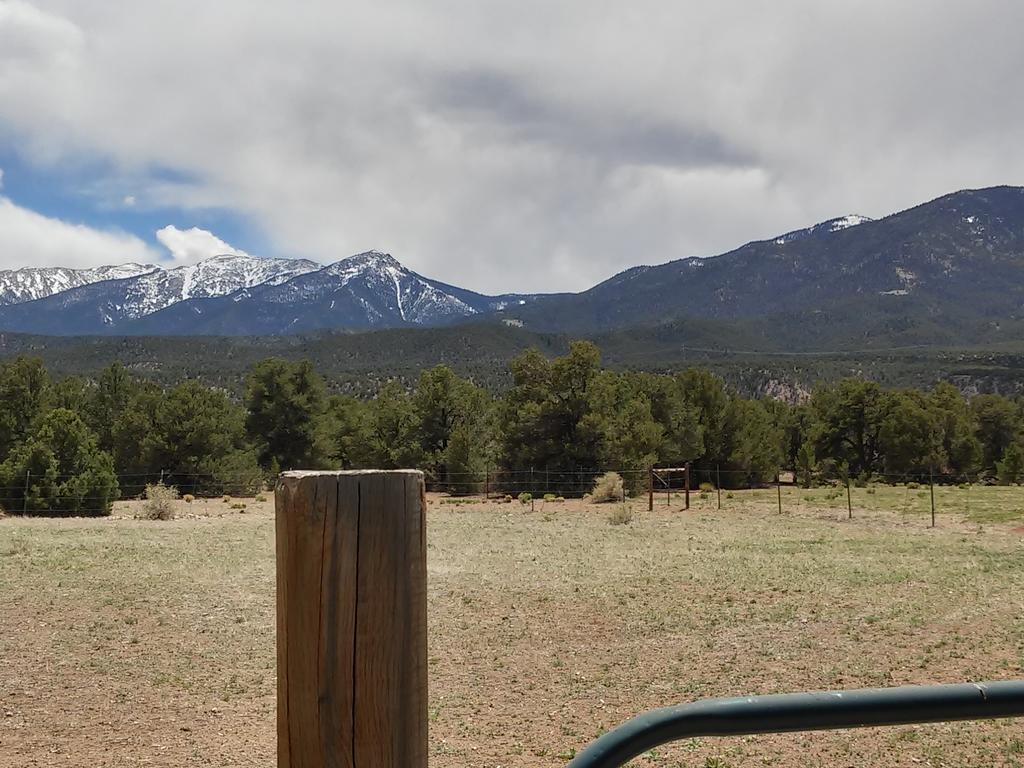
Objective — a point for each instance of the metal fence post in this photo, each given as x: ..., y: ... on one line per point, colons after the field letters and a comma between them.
x: 718, y: 484
x: 849, y: 501
x: 687, y: 475
x: 931, y: 490
x: 778, y: 488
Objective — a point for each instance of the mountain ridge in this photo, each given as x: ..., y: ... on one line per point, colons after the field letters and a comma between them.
x: 948, y: 271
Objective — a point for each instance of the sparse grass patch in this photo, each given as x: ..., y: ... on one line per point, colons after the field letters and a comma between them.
x: 621, y: 515
x: 549, y: 627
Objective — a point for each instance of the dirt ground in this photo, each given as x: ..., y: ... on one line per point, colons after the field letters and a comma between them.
x: 127, y: 642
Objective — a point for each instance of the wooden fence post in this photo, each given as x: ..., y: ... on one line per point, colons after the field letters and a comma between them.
x: 650, y: 489
x: 351, y: 620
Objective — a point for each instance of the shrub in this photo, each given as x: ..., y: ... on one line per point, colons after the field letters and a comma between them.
x: 913, y: 486
x: 729, y: 495
x: 507, y: 499
x: 608, y: 487
x: 621, y: 516
x: 188, y: 498
x: 525, y: 498
x: 239, y: 505
x: 870, y: 490
x: 159, y: 503
x: 549, y: 497
x: 707, y: 487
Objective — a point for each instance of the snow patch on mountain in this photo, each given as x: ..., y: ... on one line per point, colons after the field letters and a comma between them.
x: 30, y: 283
x: 846, y: 222
x: 218, y: 276
x: 824, y: 228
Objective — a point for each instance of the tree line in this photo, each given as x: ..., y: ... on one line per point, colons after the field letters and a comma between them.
x: 72, y: 446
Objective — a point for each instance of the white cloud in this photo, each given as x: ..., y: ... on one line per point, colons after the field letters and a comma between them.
x: 29, y: 239
x: 522, y: 145
x: 188, y: 246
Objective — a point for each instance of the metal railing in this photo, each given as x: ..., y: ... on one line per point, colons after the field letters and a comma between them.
x: 803, y: 712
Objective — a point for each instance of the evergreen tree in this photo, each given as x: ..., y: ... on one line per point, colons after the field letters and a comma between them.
x: 24, y: 386
x: 754, y: 441
x: 544, y: 410
x: 349, y: 433
x: 63, y: 468
x: 682, y: 434
x: 998, y: 423
x: 618, y: 428
x: 849, y: 420
x: 706, y: 397
x: 1011, y: 469
x: 910, y: 436
x: 114, y: 390
x: 960, y: 444
x: 286, y: 403
x: 394, y: 429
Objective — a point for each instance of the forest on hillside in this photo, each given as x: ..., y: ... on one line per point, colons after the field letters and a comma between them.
x: 72, y: 445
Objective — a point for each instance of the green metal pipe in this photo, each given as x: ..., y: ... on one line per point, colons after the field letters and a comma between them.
x: 803, y: 712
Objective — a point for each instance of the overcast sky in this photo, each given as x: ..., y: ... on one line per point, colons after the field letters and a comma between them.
x: 528, y: 145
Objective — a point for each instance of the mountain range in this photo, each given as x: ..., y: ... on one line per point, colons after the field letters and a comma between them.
x: 948, y: 272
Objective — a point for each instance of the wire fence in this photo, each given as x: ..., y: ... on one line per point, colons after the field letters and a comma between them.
x: 76, y: 495
x: 909, y: 493
x: 925, y: 494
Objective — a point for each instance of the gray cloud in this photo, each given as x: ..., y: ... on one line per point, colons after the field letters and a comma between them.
x: 516, y: 111
x: 526, y: 145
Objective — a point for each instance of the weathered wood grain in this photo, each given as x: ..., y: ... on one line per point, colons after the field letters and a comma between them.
x: 351, y: 620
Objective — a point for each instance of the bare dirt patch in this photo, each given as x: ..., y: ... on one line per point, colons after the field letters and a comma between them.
x: 130, y: 642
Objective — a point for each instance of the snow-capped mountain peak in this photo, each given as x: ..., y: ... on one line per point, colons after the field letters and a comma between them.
x: 30, y: 283
x: 231, y: 294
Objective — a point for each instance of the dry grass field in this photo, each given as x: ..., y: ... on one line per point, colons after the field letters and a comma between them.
x: 126, y: 642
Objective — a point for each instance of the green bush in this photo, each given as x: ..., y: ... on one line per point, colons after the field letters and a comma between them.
x: 707, y: 487
x: 525, y: 498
